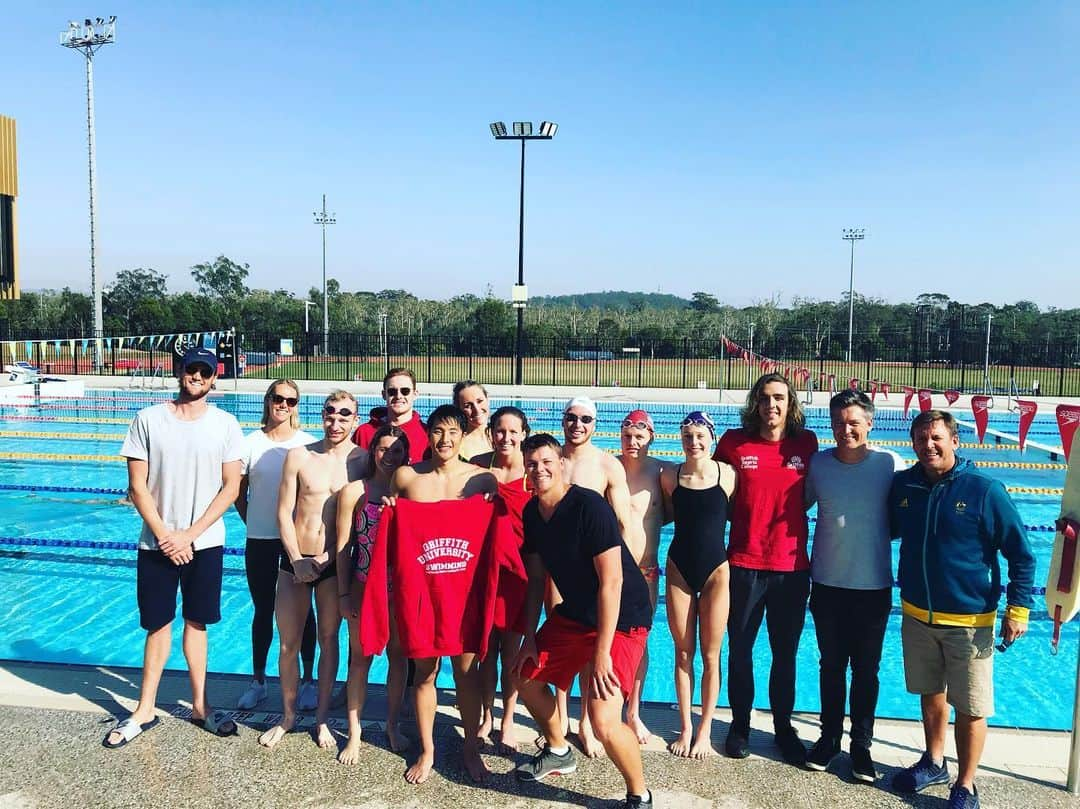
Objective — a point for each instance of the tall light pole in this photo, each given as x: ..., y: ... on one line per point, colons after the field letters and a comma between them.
x: 88, y: 39
x: 324, y: 219
x: 520, y: 294
x: 852, y: 235
x: 750, y: 359
x: 307, y: 305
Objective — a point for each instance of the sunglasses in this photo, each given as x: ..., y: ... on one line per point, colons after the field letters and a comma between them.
x: 637, y: 425
x: 395, y: 391
x: 574, y: 417
x: 279, y: 399
x: 204, y: 371
x: 344, y: 412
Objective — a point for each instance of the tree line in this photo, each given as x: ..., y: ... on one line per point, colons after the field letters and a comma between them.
x: 138, y: 302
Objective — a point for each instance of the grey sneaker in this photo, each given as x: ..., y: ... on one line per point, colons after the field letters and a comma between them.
x: 546, y: 763
x: 307, y: 699
x: 255, y: 695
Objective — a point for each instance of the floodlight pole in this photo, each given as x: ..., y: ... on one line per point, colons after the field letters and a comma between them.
x: 324, y: 219
x: 88, y: 40
x: 852, y: 235
x: 522, y: 133
x: 307, y: 305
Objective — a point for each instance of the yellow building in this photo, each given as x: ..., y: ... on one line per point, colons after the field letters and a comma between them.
x: 9, y: 189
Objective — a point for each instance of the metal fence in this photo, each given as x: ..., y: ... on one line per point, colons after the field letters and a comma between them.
x: 940, y: 361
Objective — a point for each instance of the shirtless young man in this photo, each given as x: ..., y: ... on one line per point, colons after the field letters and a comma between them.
x: 472, y: 399
x: 445, y: 476
x: 590, y: 467
x: 307, y: 511
x: 647, y: 510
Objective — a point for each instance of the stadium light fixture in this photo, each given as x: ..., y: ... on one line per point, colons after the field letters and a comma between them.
x: 852, y: 235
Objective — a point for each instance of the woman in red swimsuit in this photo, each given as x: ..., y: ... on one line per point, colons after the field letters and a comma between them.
x: 508, y: 427
x: 359, y: 504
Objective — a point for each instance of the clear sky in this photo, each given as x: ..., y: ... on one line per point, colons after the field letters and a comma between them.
x: 704, y: 146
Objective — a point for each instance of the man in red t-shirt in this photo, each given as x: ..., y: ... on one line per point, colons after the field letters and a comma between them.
x: 399, y: 392
x: 770, y: 569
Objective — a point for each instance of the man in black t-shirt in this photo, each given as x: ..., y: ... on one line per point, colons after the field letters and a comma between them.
x: 600, y: 627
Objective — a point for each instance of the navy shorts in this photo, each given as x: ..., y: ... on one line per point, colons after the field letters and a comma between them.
x: 199, y: 582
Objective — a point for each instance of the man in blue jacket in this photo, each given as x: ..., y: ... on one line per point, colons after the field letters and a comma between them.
x: 952, y: 520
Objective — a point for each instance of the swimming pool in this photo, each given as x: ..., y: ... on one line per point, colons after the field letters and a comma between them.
x: 67, y: 564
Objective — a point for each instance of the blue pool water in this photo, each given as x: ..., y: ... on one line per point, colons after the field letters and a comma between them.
x: 67, y: 572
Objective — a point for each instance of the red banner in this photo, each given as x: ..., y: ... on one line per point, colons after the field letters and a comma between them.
x: 908, y: 393
x: 1068, y: 417
x: 925, y: 396
x: 951, y: 396
x: 885, y: 390
x: 853, y: 383
x: 980, y: 408
x: 1027, y: 415
x: 873, y: 390
x: 832, y: 385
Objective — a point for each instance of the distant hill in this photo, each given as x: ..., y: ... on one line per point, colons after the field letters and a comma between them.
x: 616, y: 299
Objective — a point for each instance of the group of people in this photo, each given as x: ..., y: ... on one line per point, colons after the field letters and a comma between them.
x: 378, y: 522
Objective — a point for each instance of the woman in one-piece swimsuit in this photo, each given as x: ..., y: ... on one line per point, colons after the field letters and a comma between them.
x: 359, y: 508
x: 696, y: 494
x: 508, y: 427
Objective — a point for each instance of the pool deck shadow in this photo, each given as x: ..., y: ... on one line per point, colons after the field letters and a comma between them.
x: 56, y: 715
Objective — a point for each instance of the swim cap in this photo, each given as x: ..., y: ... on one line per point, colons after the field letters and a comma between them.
x: 640, y: 419
x: 583, y: 402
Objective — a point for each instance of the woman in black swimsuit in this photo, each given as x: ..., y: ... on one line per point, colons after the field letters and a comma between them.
x: 696, y: 493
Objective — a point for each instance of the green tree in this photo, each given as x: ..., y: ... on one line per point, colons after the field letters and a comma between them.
x: 222, y: 280
x: 704, y: 303
x: 129, y: 300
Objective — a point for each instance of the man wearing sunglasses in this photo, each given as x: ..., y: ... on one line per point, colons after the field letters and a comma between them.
x: 590, y: 467
x: 399, y: 393
x: 183, y: 462
x: 307, y: 507
x: 647, y: 510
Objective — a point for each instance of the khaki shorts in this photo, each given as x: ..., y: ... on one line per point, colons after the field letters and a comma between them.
x: 955, y: 660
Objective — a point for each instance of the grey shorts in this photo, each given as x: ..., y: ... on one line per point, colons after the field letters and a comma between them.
x: 955, y: 660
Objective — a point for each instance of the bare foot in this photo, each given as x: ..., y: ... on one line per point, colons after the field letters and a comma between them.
x: 270, y: 738
x: 589, y: 744
x: 483, y: 733
x: 643, y: 734
x: 702, y: 748
x: 398, y: 740
x: 681, y: 746
x: 323, y: 737
x: 475, y: 765
x: 508, y: 744
x: 418, y: 773
x: 351, y: 753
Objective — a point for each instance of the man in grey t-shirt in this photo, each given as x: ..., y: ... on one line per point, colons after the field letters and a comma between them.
x: 851, y: 569
x: 183, y: 462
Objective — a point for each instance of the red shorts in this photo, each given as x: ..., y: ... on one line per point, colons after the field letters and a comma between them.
x: 565, y: 647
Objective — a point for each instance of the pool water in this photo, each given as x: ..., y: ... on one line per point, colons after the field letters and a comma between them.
x: 67, y: 560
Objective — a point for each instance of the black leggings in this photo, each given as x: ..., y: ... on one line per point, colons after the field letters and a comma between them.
x: 261, y: 564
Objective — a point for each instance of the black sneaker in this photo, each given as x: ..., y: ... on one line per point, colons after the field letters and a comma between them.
x: 546, y: 763
x: 920, y: 775
x: 633, y: 801
x: 960, y: 798
x: 791, y: 747
x: 737, y: 744
x: 862, y: 765
x: 822, y: 753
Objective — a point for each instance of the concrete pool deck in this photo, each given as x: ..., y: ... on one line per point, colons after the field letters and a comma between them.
x: 55, y: 716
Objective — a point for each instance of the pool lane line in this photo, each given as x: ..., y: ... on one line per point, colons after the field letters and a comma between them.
x: 56, y: 456
x: 16, y: 487
x: 63, y: 436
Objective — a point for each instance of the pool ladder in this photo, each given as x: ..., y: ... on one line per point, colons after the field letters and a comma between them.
x: 155, y: 380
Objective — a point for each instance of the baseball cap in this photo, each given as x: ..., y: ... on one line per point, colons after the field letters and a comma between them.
x: 583, y: 402
x: 201, y: 356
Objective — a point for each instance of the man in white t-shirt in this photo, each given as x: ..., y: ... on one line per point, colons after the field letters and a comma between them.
x: 851, y: 569
x: 183, y: 462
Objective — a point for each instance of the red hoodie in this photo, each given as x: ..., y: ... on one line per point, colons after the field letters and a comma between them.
x: 414, y: 428
x: 445, y: 560
x: 510, y: 598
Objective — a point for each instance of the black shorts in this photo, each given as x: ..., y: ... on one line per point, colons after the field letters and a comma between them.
x: 200, y: 588
x: 328, y: 572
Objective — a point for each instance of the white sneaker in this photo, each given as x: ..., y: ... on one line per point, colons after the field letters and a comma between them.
x: 255, y: 694
x: 308, y: 698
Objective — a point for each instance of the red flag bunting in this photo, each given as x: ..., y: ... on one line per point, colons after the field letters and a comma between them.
x: 908, y: 393
x: 832, y: 385
x: 1027, y: 416
x: 980, y: 408
x: 951, y: 396
x: 885, y: 389
x: 853, y: 383
x: 873, y: 390
x: 1068, y: 418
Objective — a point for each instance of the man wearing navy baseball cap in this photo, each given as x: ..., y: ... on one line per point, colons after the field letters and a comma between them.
x: 183, y: 461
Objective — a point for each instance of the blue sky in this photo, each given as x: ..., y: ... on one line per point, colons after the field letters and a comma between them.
x: 713, y: 146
